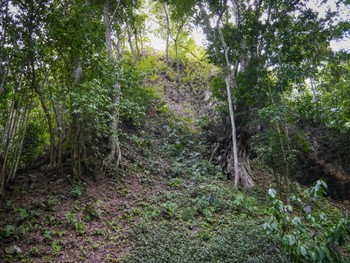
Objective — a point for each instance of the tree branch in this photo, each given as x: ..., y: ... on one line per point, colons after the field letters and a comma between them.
x: 114, y: 14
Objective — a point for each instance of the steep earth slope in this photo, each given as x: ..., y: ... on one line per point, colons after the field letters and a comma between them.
x: 166, y: 204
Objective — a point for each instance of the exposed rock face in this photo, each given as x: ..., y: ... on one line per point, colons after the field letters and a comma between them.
x: 328, y: 160
x: 193, y: 99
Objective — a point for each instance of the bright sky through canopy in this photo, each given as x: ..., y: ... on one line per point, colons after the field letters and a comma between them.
x: 199, y: 37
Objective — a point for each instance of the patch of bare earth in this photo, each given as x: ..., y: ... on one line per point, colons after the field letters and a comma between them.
x: 47, y: 218
x: 38, y: 208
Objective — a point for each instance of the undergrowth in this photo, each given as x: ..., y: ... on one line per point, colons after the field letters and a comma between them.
x: 199, y: 216
x: 242, y: 241
x: 167, y: 204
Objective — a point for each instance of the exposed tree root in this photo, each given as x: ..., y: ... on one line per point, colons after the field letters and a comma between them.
x: 113, y: 159
x: 244, y: 171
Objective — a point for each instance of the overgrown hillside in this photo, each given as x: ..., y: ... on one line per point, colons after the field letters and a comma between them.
x: 167, y: 203
x: 124, y: 139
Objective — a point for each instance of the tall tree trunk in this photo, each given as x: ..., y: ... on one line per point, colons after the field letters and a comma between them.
x: 58, y: 107
x: 142, y: 46
x: 49, y: 123
x: 75, y: 141
x: 114, y: 157
x: 13, y: 135
x: 286, y: 172
x: 6, y: 145
x: 107, y: 23
x: 130, y: 43
x: 176, y: 44
x: 20, y: 138
x: 233, y: 130
x: 60, y: 127
x: 76, y: 138
x: 3, y: 71
x: 137, y: 44
x: 177, y: 61
x: 51, y: 132
x: 240, y: 168
x: 167, y: 35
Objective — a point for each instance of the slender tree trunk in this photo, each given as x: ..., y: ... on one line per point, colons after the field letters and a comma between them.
x: 114, y: 157
x: 108, y: 34
x: 286, y: 173
x: 233, y: 130
x: 142, y: 46
x: 114, y: 140
x: 3, y: 72
x: 8, y: 123
x: 8, y: 138
x: 76, y: 138
x: 176, y: 44
x: 137, y: 44
x: 52, y: 134
x: 130, y: 43
x: 50, y: 124
x: 75, y: 146
x: 62, y: 130
x: 59, y: 107
x: 13, y: 135
x: 241, y: 169
x: 314, y: 92
x: 177, y: 61
x: 167, y: 35
x: 228, y: 80
x: 21, y: 134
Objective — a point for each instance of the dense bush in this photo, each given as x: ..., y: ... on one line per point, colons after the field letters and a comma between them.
x: 307, y: 235
x: 32, y: 143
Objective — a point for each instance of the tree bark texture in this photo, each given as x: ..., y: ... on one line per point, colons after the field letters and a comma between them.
x: 13, y: 135
x: 240, y: 168
x: 114, y: 157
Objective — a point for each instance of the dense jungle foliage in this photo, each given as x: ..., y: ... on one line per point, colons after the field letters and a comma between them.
x: 122, y: 138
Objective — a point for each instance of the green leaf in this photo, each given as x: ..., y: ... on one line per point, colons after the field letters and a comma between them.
x: 313, y: 256
x: 291, y: 240
x: 303, y: 251
x: 323, y: 217
x: 319, y: 189
x: 272, y: 193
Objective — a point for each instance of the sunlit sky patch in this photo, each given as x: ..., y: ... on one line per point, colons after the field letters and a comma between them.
x: 336, y: 45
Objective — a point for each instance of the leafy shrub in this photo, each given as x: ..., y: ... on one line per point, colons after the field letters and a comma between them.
x: 150, y: 65
x: 90, y: 213
x: 75, y: 221
x: 218, y: 88
x: 76, y: 191
x: 136, y: 97
x: 170, y: 208
x: 311, y: 236
x: 7, y: 231
x: 33, y: 140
